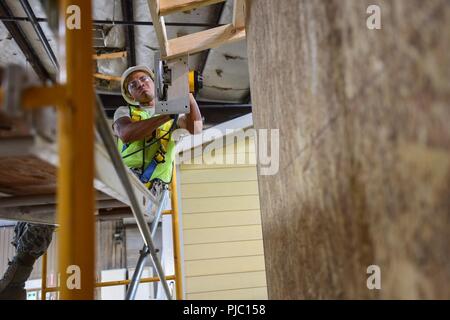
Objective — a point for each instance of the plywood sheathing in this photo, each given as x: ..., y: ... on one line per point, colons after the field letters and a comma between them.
x: 365, y: 146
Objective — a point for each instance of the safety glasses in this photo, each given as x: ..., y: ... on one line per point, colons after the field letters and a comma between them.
x: 133, y: 85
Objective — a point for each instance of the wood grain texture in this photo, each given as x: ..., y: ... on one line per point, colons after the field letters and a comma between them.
x: 172, y: 6
x: 158, y: 24
x: 26, y: 175
x: 365, y: 150
x: 203, y: 40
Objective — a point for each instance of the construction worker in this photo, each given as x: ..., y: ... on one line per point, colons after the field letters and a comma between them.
x: 144, y: 139
x: 147, y: 148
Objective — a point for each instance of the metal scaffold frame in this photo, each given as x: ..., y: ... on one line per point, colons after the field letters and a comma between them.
x: 79, y: 108
x: 137, y: 276
x: 75, y: 101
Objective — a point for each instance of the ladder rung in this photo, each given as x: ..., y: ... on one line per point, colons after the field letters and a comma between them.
x: 167, y: 212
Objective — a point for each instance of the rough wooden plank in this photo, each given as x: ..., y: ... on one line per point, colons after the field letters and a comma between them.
x: 112, y: 55
x: 364, y: 150
x: 158, y: 24
x: 107, y: 77
x: 203, y: 40
x: 26, y: 175
x: 239, y: 14
x: 172, y: 6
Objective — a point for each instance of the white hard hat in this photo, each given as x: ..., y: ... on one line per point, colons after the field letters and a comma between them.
x: 124, y: 83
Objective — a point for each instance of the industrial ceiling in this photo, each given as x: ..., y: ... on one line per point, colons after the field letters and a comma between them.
x: 125, y: 25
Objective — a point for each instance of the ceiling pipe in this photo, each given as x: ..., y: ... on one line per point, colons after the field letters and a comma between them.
x: 37, y: 28
x: 119, y: 22
x: 23, y: 43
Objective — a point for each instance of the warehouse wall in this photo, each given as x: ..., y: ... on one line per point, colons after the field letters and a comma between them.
x: 7, y: 251
x: 223, y: 250
x: 364, y: 174
x: 110, y: 245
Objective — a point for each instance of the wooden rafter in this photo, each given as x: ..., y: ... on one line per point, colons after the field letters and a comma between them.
x: 107, y: 77
x: 113, y: 55
x: 204, y: 40
x: 239, y: 14
x: 172, y: 6
x: 199, y: 41
x: 158, y: 24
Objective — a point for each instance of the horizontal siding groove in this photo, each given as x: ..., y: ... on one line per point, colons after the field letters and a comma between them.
x: 223, y: 241
x: 258, y: 293
x: 203, y: 212
x: 219, y: 175
x: 215, y: 182
x: 234, y: 289
x: 218, y: 219
x: 214, y: 204
x: 224, y: 274
x: 186, y: 167
x: 222, y: 168
x: 218, y: 211
x: 231, y: 181
x: 194, y: 244
x: 230, y: 196
x: 219, y: 258
x: 233, y: 226
x: 223, y: 234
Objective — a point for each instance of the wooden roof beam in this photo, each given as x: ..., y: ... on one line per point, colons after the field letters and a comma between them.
x: 239, y: 14
x: 203, y: 40
x: 172, y: 6
x: 158, y: 24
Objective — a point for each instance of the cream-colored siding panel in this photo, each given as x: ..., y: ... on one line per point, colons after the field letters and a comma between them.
x: 219, y: 175
x: 209, y: 152
x: 219, y: 189
x: 225, y: 159
x: 224, y: 234
x: 215, y: 204
x: 224, y: 265
x: 259, y: 293
x: 225, y: 281
x: 214, y: 166
x: 218, y: 160
x: 223, y: 250
x: 221, y: 219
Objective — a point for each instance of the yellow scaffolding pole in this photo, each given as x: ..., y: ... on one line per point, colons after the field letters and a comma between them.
x: 75, y: 99
x: 76, y: 157
x: 105, y: 284
x: 176, y: 236
x: 177, y: 255
x: 44, y: 277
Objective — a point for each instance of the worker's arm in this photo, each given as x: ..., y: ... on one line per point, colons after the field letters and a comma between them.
x: 192, y: 121
x: 129, y: 131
